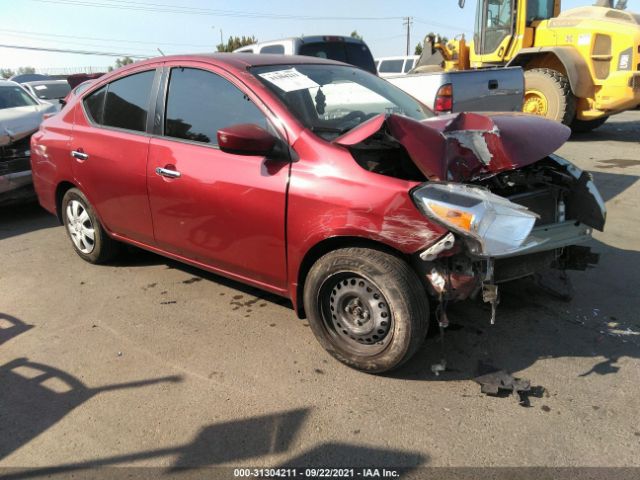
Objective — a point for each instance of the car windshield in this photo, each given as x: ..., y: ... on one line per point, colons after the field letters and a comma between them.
x: 50, y: 91
x: 12, y: 96
x: 332, y: 99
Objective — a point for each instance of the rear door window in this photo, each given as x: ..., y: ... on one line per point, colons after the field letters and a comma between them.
x: 127, y: 102
x: 199, y: 103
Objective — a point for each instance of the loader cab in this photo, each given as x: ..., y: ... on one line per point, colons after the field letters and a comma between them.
x: 494, y: 28
x: 501, y: 23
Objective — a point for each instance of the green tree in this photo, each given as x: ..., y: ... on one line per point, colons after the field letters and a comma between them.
x: 6, y: 73
x: 418, y: 50
x: 25, y: 70
x: 236, y: 42
x: 121, y: 62
x: 355, y: 34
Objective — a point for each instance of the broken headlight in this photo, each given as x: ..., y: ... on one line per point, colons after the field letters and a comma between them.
x: 496, y: 225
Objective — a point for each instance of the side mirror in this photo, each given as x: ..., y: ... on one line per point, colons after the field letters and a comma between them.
x: 246, y: 139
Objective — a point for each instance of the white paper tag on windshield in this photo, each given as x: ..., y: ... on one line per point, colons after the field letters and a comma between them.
x: 40, y: 87
x: 289, y: 80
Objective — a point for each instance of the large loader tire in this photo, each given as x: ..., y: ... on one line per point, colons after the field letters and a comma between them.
x: 548, y: 94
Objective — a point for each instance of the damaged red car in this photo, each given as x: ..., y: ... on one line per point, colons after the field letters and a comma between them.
x: 319, y: 182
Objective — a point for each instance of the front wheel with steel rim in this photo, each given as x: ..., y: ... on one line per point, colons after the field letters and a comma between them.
x: 367, y: 308
x: 88, y: 238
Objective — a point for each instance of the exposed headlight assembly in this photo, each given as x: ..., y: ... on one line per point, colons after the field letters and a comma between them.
x: 497, y: 225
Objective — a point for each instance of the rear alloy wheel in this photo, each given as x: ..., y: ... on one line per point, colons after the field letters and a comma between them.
x: 366, y: 308
x: 89, y: 239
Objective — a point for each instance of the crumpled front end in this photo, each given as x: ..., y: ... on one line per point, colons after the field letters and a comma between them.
x: 513, y: 209
x: 519, y: 223
x: 15, y: 171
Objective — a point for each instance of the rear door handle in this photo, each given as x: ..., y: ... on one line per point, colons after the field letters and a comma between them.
x: 165, y: 172
x: 79, y: 154
x: 493, y: 84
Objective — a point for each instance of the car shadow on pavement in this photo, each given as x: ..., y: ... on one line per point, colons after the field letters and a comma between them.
x: 624, y: 131
x: 247, y: 440
x: 34, y: 397
x: 610, y: 185
x: 136, y: 257
x: 24, y: 218
x: 11, y: 327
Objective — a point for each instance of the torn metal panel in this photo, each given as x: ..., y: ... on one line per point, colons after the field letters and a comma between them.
x: 445, y: 243
x: 467, y: 145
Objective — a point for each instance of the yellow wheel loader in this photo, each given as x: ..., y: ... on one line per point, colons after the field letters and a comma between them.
x: 581, y: 65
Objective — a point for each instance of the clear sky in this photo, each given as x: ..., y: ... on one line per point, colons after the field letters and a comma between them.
x: 141, y: 26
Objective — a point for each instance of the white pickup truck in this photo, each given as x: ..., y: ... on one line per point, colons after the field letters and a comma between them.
x: 490, y: 90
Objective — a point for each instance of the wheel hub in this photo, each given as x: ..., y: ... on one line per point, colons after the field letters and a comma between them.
x: 358, y: 312
x: 535, y: 103
x: 80, y: 227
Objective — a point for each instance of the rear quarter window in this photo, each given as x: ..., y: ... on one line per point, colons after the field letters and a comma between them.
x: 94, y: 105
x: 123, y: 103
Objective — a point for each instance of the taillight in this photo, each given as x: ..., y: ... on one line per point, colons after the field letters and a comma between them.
x: 444, y: 99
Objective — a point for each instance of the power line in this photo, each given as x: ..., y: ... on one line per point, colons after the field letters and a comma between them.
x: 168, y: 8
x: 79, y: 52
x: 67, y: 42
x: 56, y: 35
x: 441, y: 25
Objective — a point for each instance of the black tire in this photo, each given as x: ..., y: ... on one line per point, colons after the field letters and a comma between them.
x: 584, y: 126
x: 561, y: 103
x: 393, y: 307
x: 103, y: 248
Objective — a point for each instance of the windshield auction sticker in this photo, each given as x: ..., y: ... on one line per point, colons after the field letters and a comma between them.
x: 289, y: 80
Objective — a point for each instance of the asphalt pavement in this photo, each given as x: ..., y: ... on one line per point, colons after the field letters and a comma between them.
x: 148, y: 362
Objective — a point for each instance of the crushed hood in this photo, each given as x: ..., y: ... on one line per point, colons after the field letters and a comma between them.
x: 464, y: 146
x: 19, y: 122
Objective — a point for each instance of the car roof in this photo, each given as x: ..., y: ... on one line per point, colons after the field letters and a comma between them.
x: 44, y: 82
x: 8, y: 82
x: 238, y: 61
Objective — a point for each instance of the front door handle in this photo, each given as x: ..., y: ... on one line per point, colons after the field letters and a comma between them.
x: 79, y: 154
x: 165, y: 172
x: 493, y: 84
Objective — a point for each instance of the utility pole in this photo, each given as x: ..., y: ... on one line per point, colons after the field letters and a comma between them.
x: 408, y: 21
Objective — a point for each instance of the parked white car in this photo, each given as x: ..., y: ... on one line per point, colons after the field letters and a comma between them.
x: 50, y: 91
x: 388, y: 66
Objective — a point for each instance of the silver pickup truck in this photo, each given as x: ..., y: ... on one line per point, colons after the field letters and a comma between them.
x: 490, y: 90
x: 486, y: 90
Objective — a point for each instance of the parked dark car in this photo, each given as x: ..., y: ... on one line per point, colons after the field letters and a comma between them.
x: 316, y: 181
x: 49, y: 91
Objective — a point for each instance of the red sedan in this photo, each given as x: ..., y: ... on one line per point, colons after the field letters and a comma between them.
x: 319, y: 182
